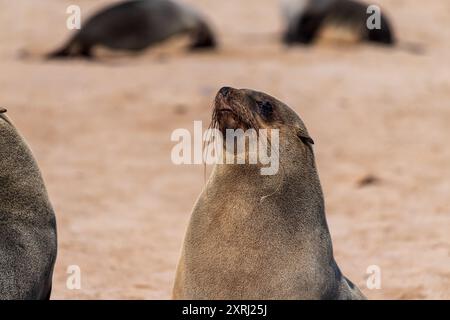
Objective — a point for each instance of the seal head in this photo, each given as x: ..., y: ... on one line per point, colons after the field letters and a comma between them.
x: 248, y: 109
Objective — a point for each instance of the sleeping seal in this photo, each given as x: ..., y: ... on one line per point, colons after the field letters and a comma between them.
x: 261, y: 237
x: 306, y: 18
x: 136, y: 25
x: 27, y: 221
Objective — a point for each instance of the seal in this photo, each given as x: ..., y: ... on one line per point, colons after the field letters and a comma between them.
x: 27, y: 221
x: 136, y: 25
x: 254, y: 236
x: 306, y: 18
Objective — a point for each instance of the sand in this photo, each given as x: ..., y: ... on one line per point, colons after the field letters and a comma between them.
x: 101, y: 134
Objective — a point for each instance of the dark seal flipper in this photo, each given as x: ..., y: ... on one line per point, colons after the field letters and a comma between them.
x: 306, y: 29
x: 384, y: 35
x: 203, y: 37
x: 63, y: 52
x: 73, y: 48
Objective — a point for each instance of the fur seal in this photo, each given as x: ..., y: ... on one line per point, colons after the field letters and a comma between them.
x: 27, y: 222
x: 261, y: 237
x: 307, y: 17
x: 135, y: 25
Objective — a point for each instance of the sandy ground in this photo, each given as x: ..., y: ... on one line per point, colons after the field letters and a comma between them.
x: 101, y: 133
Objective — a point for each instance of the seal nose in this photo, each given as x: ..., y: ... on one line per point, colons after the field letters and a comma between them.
x: 225, y: 91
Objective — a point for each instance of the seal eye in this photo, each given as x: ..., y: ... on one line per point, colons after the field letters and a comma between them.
x: 265, y: 108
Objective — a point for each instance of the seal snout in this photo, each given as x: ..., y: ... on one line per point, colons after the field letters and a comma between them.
x: 225, y: 91
x: 224, y: 100
x: 227, y: 114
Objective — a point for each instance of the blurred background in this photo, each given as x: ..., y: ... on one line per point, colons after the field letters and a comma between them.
x: 101, y: 134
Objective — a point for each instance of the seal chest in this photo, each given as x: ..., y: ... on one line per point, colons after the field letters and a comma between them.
x: 254, y: 236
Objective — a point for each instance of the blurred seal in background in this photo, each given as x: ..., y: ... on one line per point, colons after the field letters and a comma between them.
x: 307, y: 18
x: 27, y: 221
x: 136, y: 25
x: 254, y: 236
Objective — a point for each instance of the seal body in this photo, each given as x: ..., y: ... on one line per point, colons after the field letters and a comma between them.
x: 135, y: 25
x: 261, y: 237
x: 27, y: 222
x: 306, y: 18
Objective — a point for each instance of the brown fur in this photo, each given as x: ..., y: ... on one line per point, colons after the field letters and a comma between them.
x: 261, y: 237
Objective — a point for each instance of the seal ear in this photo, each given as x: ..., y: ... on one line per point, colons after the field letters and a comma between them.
x: 307, y: 140
x: 305, y: 137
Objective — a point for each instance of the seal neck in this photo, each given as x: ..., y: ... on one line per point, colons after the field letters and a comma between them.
x: 298, y: 197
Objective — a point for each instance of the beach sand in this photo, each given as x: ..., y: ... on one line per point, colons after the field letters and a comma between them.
x: 101, y: 134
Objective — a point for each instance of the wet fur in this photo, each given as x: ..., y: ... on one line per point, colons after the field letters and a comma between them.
x: 27, y: 222
x: 243, y: 244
